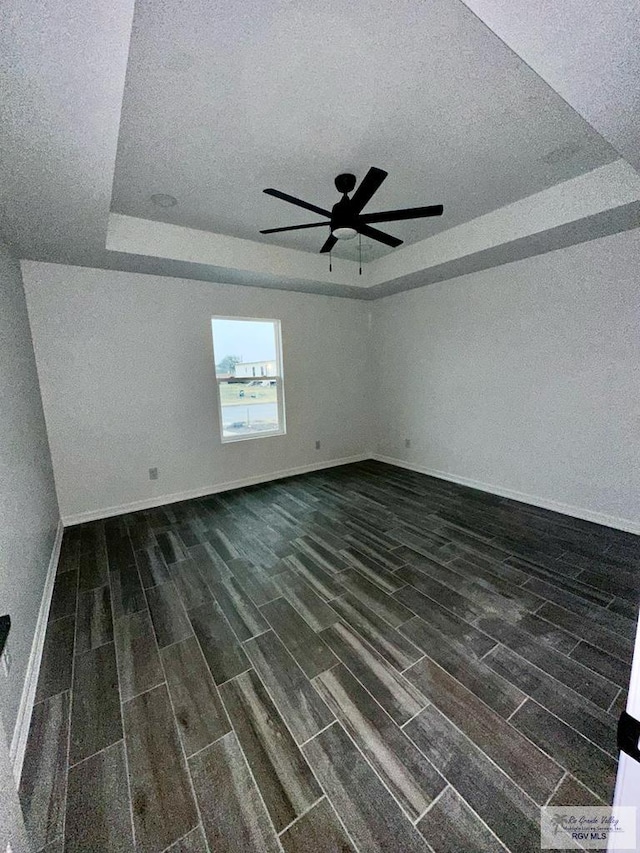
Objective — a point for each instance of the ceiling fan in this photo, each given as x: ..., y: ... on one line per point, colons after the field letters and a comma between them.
x: 346, y: 218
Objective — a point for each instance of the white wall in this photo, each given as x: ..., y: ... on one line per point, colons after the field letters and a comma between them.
x: 28, y: 506
x: 126, y: 368
x: 524, y: 378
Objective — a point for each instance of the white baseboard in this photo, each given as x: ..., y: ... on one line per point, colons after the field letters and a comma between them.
x: 21, y: 730
x: 162, y: 500
x: 626, y: 524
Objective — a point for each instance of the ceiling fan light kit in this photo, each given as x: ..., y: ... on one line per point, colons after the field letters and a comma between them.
x: 343, y: 233
x: 346, y: 219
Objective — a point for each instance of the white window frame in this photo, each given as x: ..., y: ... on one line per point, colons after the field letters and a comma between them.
x: 278, y: 379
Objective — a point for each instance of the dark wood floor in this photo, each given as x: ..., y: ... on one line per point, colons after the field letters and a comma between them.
x: 359, y: 659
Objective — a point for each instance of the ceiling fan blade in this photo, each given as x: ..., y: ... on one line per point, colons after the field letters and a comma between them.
x: 380, y: 236
x: 369, y: 185
x: 294, y: 227
x: 330, y: 243
x: 407, y: 213
x: 292, y: 200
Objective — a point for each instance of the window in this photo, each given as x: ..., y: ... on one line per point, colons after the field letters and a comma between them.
x: 247, y: 356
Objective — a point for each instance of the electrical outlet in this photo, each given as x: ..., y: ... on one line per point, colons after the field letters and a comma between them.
x: 407, y: 442
x: 317, y: 445
x: 153, y: 473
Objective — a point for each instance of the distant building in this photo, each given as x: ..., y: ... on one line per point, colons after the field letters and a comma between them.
x: 251, y: 369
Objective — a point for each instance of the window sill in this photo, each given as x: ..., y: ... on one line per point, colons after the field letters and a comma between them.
x: 233, y: 439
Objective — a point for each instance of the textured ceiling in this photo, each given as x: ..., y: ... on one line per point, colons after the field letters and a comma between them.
x: 222, y: 100
x: 587, y: 50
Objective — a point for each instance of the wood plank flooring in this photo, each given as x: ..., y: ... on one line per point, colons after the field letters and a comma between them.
x: 361, y: 659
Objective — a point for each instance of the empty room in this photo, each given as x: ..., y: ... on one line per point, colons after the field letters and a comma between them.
x: 319, y: 426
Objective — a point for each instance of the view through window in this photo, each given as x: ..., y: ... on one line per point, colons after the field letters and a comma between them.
x: 248, y: 364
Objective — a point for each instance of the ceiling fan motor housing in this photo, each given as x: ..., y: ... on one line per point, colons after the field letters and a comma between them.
x: 344, y: 222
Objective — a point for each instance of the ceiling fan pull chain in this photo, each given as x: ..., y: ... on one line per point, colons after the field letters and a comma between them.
x: 330, y: 268
x: 360, y: 251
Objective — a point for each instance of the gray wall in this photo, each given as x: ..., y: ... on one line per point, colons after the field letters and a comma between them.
x: 126, y: 368
x: 28, y: 505
x: 524, y: 378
